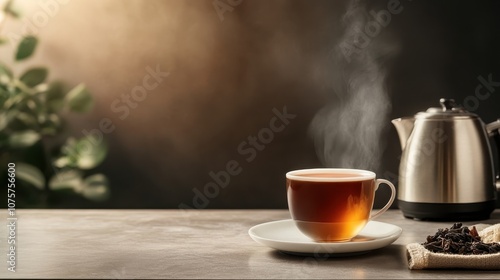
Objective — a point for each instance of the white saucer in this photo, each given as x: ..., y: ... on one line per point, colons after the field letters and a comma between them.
x: 285, y: 236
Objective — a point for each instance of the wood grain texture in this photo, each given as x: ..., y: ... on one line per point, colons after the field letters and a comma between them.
x: 124, y: 244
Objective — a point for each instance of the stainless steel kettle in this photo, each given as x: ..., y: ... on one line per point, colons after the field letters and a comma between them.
x: 446, y: 170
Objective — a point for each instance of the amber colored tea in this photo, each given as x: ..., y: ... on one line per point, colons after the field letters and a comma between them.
x: 330, y: 206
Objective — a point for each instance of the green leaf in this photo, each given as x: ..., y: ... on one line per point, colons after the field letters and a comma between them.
x: 54, y: 97
x: 84, y: 153
x: 90, y: 152
x: 11, y: 10
x: 26, y: 47
x: 23, y: 121
x: 34, y: 76
x: 30, y: 174
x: 51, y: 125
x: 68, y: 154
x: 13, y: 102
x: 5, y: 71
x: 3, y: 121
x: 62, y: 162
x: 23, y: 139
x: 79, y: 99
x: 3, y: 140
x: 4, y: 95
x: 3, y: 40
x: 67, y: 179
x: 6, y: 117
x: 96, y: 187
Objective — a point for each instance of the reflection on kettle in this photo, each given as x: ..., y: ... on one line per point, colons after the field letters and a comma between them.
x: 446, y: 170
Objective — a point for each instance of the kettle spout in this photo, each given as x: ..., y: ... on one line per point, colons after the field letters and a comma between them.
x: 404, y: 127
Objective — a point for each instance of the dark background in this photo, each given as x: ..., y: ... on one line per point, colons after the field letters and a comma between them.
x: 227, y: 76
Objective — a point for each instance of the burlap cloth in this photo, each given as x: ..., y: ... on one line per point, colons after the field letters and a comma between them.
x: 421, y: 258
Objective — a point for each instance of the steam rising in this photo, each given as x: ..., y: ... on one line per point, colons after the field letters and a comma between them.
x: 347, y: 132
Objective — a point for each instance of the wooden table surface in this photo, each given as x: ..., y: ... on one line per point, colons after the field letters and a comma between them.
x: 124, y: 244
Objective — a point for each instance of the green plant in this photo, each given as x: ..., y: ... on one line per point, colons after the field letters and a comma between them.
x: 31, y: 126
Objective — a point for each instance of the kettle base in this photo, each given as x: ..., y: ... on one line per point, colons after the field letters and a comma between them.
x: 447, y: 211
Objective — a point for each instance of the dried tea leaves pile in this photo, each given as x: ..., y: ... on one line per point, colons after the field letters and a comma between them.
x: 459, y: 240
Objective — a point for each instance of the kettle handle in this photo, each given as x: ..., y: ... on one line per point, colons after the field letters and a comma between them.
x: 493, y: 130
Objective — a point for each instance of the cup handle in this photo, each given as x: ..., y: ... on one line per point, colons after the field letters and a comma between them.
x: 391, y: 200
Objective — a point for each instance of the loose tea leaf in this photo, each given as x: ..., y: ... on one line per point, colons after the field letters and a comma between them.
x: 459, y: 240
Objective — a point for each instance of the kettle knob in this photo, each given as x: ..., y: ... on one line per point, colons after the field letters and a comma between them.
x: 447, y: 104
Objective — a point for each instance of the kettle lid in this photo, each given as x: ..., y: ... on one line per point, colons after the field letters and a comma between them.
x: 448, y: 110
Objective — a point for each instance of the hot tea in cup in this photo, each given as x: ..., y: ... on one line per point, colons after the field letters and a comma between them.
x: 332, y: 204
